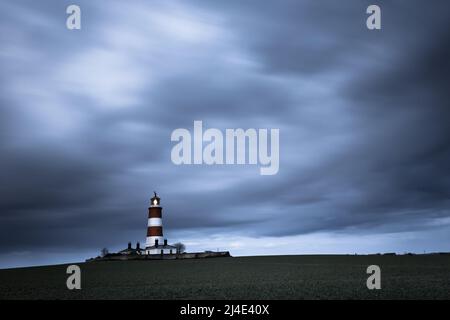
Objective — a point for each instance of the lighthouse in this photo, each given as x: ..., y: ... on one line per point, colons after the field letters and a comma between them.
x: 154, y: 227
x: 155, y: 243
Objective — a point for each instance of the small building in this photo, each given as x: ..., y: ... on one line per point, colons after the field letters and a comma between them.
x: 161, y: 248
x: 130, y: 250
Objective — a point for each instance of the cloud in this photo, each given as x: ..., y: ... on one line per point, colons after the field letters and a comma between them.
x: 86, y: 118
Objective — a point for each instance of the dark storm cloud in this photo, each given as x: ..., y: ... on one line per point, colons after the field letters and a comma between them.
x: 86, y: 118
x: 397, y: 170
x: 297, y: 37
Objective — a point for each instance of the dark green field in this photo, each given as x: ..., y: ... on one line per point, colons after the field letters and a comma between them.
x: 268, y: 277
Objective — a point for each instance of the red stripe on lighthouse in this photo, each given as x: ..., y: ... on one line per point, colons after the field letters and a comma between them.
x: 154, y: 212
x: 154, y: 232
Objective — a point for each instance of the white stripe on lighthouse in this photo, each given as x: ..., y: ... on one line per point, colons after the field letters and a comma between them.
x: 154, y: 222
x: 151, y: 241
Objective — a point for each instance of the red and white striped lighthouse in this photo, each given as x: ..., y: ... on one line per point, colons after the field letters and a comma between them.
x: 154, y: 226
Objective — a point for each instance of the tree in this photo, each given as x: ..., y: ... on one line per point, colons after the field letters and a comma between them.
x: 180, y: 247
x: 104, y: 252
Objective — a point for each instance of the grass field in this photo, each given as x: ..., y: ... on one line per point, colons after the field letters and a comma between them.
x: 265, y: 277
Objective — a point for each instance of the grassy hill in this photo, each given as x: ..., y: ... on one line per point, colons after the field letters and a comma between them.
x: 265, y: 277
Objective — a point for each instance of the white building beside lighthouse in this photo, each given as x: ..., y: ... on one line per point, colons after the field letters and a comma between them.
x: 155, y: 243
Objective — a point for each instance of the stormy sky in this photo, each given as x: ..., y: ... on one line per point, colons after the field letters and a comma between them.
x: 86, y: 118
